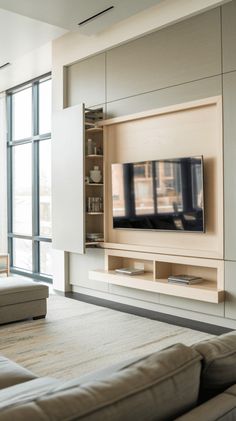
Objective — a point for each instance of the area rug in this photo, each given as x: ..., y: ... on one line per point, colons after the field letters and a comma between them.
x: 77, y: 338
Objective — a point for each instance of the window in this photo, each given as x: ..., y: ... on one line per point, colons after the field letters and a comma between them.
x: 29, y: 179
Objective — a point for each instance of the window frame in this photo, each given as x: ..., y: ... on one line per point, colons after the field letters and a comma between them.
x: 34, y: 140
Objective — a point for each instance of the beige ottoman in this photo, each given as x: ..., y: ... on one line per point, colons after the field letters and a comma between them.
x: 22, y: 299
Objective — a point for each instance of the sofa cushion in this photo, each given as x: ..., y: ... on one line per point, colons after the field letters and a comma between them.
x: 161, y: 386
x: 219, y: 364
x: 14, y: 290
x: 12, y: 373
x: 221, y: 408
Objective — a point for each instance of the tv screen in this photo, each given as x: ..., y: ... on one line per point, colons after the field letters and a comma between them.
x: 162, y: 194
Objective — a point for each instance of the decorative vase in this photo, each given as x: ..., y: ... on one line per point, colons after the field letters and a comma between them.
x: 95, y: 175
x: 90, y: 147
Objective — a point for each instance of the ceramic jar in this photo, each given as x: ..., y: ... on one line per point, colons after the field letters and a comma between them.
x: 95, y: 175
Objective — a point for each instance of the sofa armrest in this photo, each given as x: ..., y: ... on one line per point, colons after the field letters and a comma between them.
x: 12, y: 373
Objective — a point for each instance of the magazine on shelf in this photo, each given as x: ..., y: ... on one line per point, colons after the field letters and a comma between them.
x: 184, y: 279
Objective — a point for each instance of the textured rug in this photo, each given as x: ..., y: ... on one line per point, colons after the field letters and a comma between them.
x: 77, y: 338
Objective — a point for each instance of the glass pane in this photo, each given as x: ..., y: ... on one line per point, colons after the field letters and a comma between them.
x: 22, y: 189
x: 45, y: 187
x: 46, y: 258
x: 22, y: 254
x: 45, y: 113
x: 22, y: 114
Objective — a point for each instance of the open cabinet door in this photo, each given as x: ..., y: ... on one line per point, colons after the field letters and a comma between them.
x: 68, y: 203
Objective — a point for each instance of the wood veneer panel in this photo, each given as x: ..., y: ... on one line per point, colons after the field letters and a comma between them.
x: 184, y: 130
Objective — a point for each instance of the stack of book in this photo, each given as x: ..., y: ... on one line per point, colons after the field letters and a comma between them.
x: 129, y: 271
x: 184, y: 279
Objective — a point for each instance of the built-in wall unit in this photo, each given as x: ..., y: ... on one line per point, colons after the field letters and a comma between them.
x: 150, y: 185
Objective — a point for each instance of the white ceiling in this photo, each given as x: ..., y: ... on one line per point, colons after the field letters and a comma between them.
x: 20, y: 35
x: 68, y: 13
x: 26, y: 25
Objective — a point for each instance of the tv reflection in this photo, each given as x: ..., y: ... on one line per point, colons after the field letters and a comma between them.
x: 159, y: 194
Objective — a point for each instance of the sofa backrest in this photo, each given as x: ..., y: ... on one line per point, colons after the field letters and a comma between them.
x: 218, y: 364
x: 159, y: 387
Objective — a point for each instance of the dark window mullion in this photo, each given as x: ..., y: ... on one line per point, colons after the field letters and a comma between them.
x: 9, y: 176
x: 35, y: 178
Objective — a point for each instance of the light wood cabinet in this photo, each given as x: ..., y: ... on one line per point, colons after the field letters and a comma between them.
x: 189, y: 129
x: 82, y: 205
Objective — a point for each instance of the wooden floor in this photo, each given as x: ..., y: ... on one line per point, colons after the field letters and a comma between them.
x: 78, y: 337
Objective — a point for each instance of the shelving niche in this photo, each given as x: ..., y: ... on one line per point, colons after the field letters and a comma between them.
x: 94, y: 221
x: 158, y: 267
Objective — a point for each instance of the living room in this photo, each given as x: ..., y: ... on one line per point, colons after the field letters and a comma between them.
x: 127, y: 216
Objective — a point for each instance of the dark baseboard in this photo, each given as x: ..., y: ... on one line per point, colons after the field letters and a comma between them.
x: 150, y: 314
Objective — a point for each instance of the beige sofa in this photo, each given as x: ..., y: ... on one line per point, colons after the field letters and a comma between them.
x: 178, y: 383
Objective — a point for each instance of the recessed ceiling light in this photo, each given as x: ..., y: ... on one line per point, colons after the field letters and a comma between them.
x: 83, y: 22
x: 5, y: 65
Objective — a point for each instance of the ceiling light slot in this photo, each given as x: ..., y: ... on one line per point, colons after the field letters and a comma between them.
x: 84, y: 22
x: 5, y: 65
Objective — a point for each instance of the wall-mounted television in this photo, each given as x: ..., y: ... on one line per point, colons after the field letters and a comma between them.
x: 164, y: 194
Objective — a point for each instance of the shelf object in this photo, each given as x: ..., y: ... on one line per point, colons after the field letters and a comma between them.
x: 157, y: 268
x: 4, y: 264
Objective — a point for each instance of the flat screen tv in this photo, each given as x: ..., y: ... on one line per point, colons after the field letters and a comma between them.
x: 164, y: 195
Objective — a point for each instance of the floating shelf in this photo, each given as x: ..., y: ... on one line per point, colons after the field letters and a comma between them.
x: 205, y: 291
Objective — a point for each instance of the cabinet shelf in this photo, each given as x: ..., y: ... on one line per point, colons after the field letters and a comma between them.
x: 93, y: 243
x: 94, y: 213
x: 94, y: 129
x: 94, y: 184
x: 94, y: 156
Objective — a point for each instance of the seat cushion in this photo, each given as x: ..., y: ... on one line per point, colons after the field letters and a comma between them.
x: 12, y: 373
x: 159, y: 387
x: 219, y: 364
x: 16, y: 290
